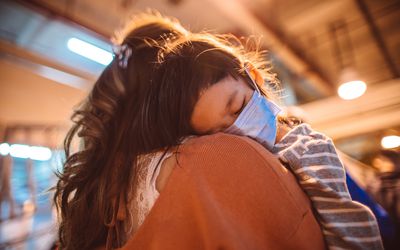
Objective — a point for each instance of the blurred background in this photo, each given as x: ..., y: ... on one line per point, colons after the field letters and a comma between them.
x: 338, y: 62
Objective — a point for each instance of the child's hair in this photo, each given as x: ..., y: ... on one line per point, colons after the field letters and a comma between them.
x: 113, y: 130
x: 191, y: 64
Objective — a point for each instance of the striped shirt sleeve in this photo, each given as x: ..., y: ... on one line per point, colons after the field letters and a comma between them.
x: 312, y: 157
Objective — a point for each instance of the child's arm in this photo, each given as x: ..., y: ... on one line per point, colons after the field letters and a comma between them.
x: 346, y: 224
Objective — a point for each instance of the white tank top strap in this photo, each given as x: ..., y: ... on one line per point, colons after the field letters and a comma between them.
x: 145, y: 194
x: 154, y: 170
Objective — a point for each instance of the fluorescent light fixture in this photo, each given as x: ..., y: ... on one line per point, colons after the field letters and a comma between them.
x: 19, y: 151
x: 24, y: 151
x: 391, y: 141
x: 89, y: 51
x: 39, y: 153
x: 4, y: 149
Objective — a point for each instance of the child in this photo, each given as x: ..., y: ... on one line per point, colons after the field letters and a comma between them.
x: 227, y: 94
x: 313, y: 159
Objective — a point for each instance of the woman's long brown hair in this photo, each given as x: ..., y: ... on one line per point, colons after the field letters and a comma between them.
x: 114, y: 126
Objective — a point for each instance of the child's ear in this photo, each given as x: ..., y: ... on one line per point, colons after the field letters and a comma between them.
x: 255, y: 74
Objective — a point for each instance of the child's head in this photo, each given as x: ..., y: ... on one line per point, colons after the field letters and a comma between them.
x: 203, y: 79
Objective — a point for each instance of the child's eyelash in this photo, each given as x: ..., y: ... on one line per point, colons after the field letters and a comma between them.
x: 242, y: 107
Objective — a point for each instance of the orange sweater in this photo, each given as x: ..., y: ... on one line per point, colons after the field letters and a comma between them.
x: 229, y: 193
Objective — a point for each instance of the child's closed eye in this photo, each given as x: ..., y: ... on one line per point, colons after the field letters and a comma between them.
x: 240, y: 109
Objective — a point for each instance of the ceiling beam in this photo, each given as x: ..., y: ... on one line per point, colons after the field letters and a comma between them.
x: 65, y: 17
x: 45, y: 67
x: 7, y: 48
x: 377, y: 109
x: 378, y: 37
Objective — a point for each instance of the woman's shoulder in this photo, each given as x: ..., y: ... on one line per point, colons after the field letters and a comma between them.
x: 222, y: 143
x: 220, y: 148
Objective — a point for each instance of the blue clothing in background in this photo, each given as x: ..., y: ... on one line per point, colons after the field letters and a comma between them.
x: 386, y: 226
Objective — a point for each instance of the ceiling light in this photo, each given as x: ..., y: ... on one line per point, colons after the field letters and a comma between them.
x: 19, y: 151
x: 89, y: 51
x: 350, y: 85
x: 352, y: 90
x: 4, y: 149
x: 39, y: 153
x: 25, y: 151
x: 391, y: 141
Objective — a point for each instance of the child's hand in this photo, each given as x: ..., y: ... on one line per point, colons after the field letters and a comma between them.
x: 282, y: 130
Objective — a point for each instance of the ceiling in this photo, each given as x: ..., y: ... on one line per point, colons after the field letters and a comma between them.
x: 310, y: 41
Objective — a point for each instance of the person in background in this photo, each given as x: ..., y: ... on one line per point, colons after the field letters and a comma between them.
x: 6, y: 195
x: 387, y: 190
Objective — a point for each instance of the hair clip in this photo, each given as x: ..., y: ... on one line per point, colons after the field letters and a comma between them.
x: 123, y: 53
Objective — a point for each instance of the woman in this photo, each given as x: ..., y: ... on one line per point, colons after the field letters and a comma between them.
x: 114, y: 129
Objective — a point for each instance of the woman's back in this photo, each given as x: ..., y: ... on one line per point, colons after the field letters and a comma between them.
x: 229, y: 192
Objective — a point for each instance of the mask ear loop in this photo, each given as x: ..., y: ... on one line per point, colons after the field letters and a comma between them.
x: 251, y: 78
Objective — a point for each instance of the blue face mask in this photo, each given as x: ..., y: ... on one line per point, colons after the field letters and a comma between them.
x: 257, y: 120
